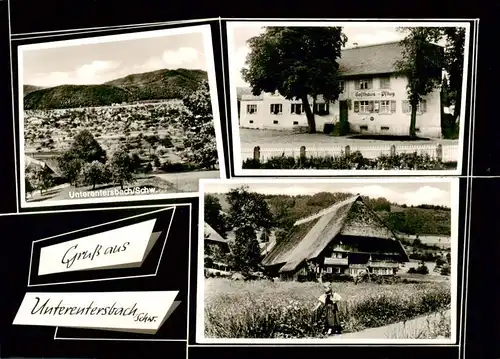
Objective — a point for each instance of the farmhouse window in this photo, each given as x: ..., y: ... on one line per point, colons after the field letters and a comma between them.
x: 251, y: 121
x: 275, y: 122
x: 421, y: 107
x: 328, y: 269
x: 251, y: 109
x: 385, y: 82
x: 295, y: 122
x: 297, y: 108
x: 365, y: 106
x: 364, y: 84
x: 276, y: 108
x: 322, y: 109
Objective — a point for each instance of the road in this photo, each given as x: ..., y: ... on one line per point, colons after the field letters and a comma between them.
x: 409, y: 330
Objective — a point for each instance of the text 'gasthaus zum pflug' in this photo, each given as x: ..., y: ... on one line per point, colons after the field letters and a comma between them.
x: 112, y: 310
x: 122, y: 247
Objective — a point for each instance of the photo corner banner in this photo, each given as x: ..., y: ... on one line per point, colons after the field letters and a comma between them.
x: 142, y: 312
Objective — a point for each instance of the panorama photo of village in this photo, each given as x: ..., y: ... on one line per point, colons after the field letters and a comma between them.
x: 384, y: 250
x: 121, y: 116
x: 373, y: 96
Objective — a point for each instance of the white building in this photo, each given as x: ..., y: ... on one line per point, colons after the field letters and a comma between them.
x: 374, y: 99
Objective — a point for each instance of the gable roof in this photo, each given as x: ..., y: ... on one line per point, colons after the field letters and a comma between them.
x: 51, y: 163
x: 310, y: 236
x: 212, y: 235
x: 370, y: 60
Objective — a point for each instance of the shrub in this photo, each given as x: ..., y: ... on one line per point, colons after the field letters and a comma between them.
x: 355, y: 160
x: 445, y: 270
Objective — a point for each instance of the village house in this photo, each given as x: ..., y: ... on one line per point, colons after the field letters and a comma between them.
x: 373, y: 99
x: 347, y: 238
x: 216, y: 247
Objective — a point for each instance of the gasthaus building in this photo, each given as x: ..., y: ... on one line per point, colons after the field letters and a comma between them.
x: 374, y: 99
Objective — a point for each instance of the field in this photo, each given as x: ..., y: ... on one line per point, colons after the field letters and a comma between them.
x: 152, y: 135
x: 266, y: 309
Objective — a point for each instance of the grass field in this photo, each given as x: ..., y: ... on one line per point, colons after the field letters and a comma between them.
x: 265, y: 309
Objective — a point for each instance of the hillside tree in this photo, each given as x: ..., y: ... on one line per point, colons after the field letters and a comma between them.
x: 200, y: 146
x: 214, y: 216
x: 121, y: 167
x: 248, y: 213
x: 41, y: 178
x: 298, y: 62
x: 422, y: 64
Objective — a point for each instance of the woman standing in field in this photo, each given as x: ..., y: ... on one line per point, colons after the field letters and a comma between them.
x: 328, y: 302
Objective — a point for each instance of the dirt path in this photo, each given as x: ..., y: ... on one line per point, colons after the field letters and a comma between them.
x: 401, y: 330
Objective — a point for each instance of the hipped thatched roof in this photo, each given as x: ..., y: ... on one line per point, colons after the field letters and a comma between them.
x: 310, y: 236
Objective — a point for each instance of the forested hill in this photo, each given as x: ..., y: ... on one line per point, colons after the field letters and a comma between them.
x: 422, y: 220
x: 155, y: 85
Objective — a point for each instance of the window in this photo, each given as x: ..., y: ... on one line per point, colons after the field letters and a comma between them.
x: 322, y: 109
x: 276, y: 108
x: 385, y: 106
x: 336, y: 270
x: 421, y: 107
x: 297, y: 108
x: 364, y: 106
x: 384, y: 128
x: 295, y: 122
x: 342, y: 86
x: 385, y: 82
x: 251, y: 121
x: 328, y: 269
x: 275, y: 122
x: 361, y: 128
x: 364, y: 84
x: 251, y: 109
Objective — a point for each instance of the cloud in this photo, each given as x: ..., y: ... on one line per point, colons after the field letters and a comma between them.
x: 92, y: 73
x: 180, y: 57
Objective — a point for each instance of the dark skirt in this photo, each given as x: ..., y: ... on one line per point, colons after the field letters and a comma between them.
x: 332, y: 317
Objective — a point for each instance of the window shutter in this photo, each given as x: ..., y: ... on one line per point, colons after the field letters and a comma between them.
x: 370, y: 83
x: 327, y: 108
x: 271, y: 108
x: 370, y: 106
x: 356, y: 85
x: 423, y: 106
x: 393, y: 106
x: 356, y: 106
x: 376, y: 106
x: 406, y: 106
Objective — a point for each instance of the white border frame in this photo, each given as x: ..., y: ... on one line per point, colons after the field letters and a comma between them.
x: 204, y: 30
x: 454, y: 193
x: 236, y: 148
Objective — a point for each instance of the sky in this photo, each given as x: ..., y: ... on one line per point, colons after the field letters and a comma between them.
x: 88, y: 64
x: 411, y: 194
x: 361, y: 33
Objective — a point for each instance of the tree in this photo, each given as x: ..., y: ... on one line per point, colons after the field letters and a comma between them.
x: 70, y: 166
x: 28, y: 185
x: 422, y: 65
x: 86, y: 148
x: 245, y: 254
x: 94, y: 173
x: 214, y: 216
x: 42, y: 178
x: 121, y: 167
x: 200, y: 146
x: 298, y: 62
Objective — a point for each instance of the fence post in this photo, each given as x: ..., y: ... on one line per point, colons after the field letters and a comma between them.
x: 347, y: 151
x: 256, y: 153
x: 302, y: 152
x: 439, y: 152
x: 393, y: 150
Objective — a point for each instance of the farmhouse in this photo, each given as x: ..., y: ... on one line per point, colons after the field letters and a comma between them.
x: 216, y: 247
x: 50, y: 163
x: 373, y: 99
x: 346, y: 238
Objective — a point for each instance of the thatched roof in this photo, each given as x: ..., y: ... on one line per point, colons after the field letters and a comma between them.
x: 350, y: 218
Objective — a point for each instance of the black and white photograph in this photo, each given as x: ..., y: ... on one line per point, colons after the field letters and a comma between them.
x: 345, y: 97
x: 358, y: 261
x: 120, y: 117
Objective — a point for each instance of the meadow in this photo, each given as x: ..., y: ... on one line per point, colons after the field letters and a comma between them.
x: 267, y: 309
